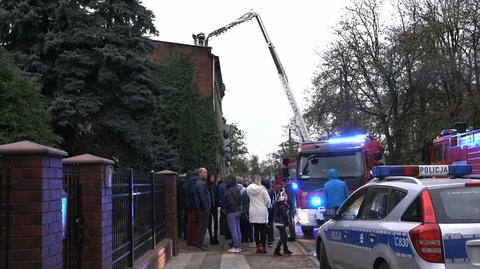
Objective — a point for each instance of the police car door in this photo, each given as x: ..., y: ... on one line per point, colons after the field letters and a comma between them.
x: 338, y: 235
x: 364, y: 231
x: 457, y: 209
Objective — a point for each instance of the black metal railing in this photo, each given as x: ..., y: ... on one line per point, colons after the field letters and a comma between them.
x: 138, y: 215
x: 4, y: 213
x: 72, y: 242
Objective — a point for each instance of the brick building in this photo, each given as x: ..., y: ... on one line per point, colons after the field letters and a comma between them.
x: 210, y: 83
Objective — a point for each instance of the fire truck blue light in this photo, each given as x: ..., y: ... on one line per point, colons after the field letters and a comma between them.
x: 347, y: 139
x: 316, y: 201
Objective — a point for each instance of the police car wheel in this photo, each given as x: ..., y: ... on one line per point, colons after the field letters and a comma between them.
x: 384, y: 265
x: 323, y: 259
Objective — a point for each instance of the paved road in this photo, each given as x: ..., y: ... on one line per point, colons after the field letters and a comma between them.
x: 216, y: 257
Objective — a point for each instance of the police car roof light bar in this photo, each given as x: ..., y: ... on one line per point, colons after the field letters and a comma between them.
x: 421, y: 170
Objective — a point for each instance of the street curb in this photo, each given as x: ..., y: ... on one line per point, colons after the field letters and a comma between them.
x: 302, y: 249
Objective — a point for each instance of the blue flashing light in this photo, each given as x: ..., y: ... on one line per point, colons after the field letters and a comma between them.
x: 315, y: 201
x: 348, y: 139
x: 460, y: 170
x: 421, y: 170
x: 294, y: 186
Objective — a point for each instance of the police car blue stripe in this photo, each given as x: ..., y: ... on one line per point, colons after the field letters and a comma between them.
x: 455, y: 249
x: 397, y: 241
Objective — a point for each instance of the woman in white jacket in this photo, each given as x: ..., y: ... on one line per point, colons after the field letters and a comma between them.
x: 258, y: 212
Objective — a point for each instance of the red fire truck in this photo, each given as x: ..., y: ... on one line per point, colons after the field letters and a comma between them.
x: 457, y: 146
x: 352, y: 157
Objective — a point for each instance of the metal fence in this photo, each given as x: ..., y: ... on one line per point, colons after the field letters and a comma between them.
x: 4, y: 213
x: 138, y: 215
x: 72, y: 243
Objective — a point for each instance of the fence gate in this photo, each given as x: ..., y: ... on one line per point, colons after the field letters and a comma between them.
x: 72, y: 243
x: 4, y: 213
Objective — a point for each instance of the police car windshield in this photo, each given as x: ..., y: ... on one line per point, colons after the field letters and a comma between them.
x: 457, y: 205
x: 316, y: 165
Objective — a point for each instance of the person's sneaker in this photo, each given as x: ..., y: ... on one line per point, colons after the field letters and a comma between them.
x: 270, y: 244
x: 232, y: 250
x: 277, y: 252
x: 287, y: 252
x: 238, y: 250
x: 252, y: 244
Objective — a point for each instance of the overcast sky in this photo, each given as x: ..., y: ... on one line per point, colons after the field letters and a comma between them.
x: 254, y: 97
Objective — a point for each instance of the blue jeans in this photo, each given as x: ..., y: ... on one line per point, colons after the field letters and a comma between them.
x: 233, y: 220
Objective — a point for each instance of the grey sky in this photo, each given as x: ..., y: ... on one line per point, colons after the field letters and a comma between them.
x: 255, y: 99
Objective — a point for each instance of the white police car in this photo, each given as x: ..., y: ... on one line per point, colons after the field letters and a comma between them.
x: 400, y: 221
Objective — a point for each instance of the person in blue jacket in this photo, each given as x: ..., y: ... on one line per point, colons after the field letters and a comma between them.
x: 336, y: 192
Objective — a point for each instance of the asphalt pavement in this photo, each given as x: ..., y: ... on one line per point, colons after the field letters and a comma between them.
x: 216, y: 257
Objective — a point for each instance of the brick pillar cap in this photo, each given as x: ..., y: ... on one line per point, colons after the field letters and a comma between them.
x: 87, y: 159
x: 30, y: 148
x: 166, y: 172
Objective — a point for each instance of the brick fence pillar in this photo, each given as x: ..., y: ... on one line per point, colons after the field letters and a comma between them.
x: 171, y: 229
x: 35, y: 222
x: 96, y: 197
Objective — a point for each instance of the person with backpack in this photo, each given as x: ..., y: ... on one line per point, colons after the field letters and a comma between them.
x: 281, y: 222
x: 233, y: 206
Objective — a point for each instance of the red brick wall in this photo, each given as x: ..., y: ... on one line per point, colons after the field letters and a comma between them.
x: 35, y: 217
x: 201, y: 58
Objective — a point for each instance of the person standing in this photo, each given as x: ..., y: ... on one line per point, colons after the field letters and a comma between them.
x: 271, y: 210
x: 203, y: 203
x: 213, y: 218
x: 233, y: 205
x: 246, y: 227
x: 258, y: 212
x: 336, y: 192
x: 281, y: 222
x: 191, y: 209
x: 291, y: 192
x: 222, y: 187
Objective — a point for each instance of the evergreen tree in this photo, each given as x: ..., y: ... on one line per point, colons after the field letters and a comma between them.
x: 23, y: 114
x: 92, y: 59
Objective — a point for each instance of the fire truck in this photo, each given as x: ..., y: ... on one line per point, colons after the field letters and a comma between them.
x: 457, y: 146
x: 352, y: 156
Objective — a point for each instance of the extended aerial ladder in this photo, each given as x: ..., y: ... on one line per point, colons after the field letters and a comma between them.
x: 299, y: 122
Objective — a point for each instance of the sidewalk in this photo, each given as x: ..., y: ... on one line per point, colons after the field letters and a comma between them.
x: 216, y: 257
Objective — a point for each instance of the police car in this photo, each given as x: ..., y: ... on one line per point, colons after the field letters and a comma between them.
x: 407, y: 217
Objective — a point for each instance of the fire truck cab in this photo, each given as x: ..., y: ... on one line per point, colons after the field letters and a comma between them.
x: 457, y: 146
x: 352, y: 156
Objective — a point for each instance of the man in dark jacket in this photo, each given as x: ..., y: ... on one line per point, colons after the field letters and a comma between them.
x: 271, y: 211
x: 203, y: 203
x: 291, y: 191
x: 189, y: 189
